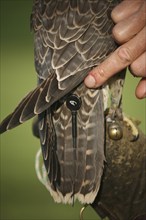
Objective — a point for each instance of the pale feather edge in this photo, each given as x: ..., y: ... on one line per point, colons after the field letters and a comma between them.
x: 57, y: 196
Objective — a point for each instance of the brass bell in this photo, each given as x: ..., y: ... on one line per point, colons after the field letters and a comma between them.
x: 115, y: 131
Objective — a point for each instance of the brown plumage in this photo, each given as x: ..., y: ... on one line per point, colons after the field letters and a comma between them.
x: 71, y: 37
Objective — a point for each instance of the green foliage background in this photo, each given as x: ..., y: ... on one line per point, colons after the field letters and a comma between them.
x: 23, y: 197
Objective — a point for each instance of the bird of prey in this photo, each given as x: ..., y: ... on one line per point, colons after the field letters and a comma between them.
x: 70, y: 38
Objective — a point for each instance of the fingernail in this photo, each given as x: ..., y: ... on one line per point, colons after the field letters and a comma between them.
x: 90, y: 81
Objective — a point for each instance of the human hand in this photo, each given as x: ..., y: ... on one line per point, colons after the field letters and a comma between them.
x: 130, y: 32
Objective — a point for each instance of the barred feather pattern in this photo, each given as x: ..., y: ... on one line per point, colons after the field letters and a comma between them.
x: 79, y: 169
x: 70, y: 38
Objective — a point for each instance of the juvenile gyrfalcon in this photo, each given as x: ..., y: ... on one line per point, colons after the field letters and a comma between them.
x: 71, y: 37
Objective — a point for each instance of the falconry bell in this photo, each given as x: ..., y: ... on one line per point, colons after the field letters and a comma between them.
x: 115, y: 131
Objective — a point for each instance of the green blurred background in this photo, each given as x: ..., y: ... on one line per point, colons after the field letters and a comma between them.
x: 22, y: 195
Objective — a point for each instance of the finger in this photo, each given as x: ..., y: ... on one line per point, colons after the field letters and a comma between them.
x: 117, y: 61
x: 141, y: 89
x: 125, y: 9
x: 129, y: 27
x: 138, y: 67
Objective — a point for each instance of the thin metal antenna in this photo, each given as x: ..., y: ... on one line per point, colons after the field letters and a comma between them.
x: 74, y: 103
x: 82, y: 211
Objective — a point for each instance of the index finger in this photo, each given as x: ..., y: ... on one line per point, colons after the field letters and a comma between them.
x: 118, y: 60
